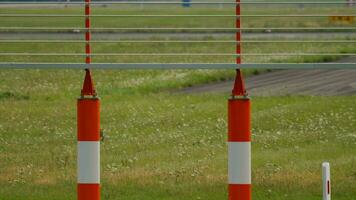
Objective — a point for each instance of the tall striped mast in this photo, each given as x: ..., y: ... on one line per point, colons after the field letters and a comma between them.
x: 239, y: 126
x: 88, y: 129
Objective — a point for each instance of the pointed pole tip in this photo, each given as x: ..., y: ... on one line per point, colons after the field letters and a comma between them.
x: 239, y: 86
x: 88, y: 86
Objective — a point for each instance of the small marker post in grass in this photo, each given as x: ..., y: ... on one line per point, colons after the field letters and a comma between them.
x: 326, y: 181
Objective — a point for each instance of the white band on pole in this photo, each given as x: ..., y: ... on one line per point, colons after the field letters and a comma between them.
x: 89, y: 162
x: 239, y: 162
x: 326, y: 181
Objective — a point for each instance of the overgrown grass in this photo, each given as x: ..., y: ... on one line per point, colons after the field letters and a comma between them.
x: 164, y: 146
x: 223, y: 22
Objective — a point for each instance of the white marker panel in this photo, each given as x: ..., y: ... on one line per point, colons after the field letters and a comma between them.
x: 88, y: 162
x: 239, y: 162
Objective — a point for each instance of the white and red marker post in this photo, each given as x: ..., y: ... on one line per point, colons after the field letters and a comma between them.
x: 88, y: 119
x: 88, y: 129
x: 239, y: 126
x: 239, y: 142
x: 326, y: 181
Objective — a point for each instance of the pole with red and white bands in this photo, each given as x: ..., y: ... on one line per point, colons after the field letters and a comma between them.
x: 88, y: 130
x: 239, y: 134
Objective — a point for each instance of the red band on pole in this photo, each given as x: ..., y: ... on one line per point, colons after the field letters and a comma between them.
x: 87, y: 9
x: 88, y: 60
x: 88, y: 119
x: 239, y: 191
x: 88, y: 191
x: 87, y: 22
x: 87, y: 36
x: 87, y: 48
x: 239, y: 118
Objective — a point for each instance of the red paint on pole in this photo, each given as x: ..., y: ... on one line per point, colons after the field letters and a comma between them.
x: 239, y: 116
x: 88, y: 119
x: 88, y: 86
x: 88, y: 60
x: 88, y: 192
x: 87, y: 33
x: 239, y: 86
x: 87, y: 23
x: 87, y: 36
x: 328, y: 187
x: 87, y: 48
x: 239, y: 192
x: 238, y: 32
x: 87, y: 9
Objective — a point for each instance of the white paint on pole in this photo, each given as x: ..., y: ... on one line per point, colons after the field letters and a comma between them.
x: 326, y: 181
x: 88, y: 162
x: 239, y: 162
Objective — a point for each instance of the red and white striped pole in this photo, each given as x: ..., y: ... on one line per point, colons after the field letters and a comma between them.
x: 88, y: 116
x: 239, y: 142
x: 239, y: 126
x: 88, y: 122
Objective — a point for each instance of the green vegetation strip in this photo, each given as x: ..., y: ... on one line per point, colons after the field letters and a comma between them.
x: 174, y: 149
x: 165, y: 22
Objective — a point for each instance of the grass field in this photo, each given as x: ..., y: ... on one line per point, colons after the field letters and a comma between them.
x: 182, y: 48
x: 160, y: 145
x: 174, y: 149
x: 177, y: 22
x: 212, y: 22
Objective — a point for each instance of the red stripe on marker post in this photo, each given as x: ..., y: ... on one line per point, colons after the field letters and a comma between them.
x: 88, y: 129
x: 239, y: 142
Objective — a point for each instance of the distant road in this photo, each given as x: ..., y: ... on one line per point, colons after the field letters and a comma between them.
x: 291, y: 82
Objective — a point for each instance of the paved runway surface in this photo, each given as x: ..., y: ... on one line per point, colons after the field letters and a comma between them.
x: 296, y: 82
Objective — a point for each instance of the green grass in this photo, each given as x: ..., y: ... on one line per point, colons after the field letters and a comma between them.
x: 160, y: 145
x: 177, y: 22
x: 223, y: 22
x: 157, y: 48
